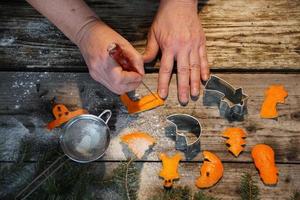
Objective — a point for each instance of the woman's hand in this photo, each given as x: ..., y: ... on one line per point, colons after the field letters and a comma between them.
x: 93, y: 41
x: 177, y: 31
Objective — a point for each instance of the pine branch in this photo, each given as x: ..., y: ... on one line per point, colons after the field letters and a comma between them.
x: 178, y: 193
x: 15, y: 175
x: 201, y: 196
x: 295, y: 196
x: 125, y: 180
x: 248, y: 188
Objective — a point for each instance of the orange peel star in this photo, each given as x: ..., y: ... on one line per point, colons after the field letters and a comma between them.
x: 235, y: 140
x: 264, y: 160
x: 147, y: 102
x: 211, y: 171
x: 138, y: 142
x: 273, y: 95
x: 62, y: 115
x: 169, y: 170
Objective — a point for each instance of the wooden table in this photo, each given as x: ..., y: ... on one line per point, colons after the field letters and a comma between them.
x: 251, y: 44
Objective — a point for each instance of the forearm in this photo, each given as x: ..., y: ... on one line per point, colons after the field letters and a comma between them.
x: 70, y: 16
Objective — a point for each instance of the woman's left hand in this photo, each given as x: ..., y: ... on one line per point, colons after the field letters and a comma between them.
x: 177, y: 31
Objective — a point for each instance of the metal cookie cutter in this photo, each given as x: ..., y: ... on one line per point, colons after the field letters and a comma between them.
x: 232, y: 102
x: 181, y: 126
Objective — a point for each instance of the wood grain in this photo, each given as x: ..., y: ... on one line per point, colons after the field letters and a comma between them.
x: 151, y: 184
x: 25, y: 109
x: 241, y: 35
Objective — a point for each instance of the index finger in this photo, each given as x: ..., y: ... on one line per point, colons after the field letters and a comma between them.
x: 135, y: 58
x: 124, y: 77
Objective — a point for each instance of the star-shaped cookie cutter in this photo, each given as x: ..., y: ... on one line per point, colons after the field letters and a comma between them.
x: 232, y: 103
x: 181, y: 126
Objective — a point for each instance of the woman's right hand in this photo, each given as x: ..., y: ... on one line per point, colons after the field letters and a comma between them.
x: 93, y: 41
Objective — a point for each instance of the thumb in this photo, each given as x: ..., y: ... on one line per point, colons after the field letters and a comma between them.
x: 151, y: 48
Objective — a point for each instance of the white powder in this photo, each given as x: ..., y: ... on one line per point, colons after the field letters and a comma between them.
x: 139, y: 147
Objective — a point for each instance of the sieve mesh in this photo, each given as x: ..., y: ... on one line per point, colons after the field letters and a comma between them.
x: 85, y: 139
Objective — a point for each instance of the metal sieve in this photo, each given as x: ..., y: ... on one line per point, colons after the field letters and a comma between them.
x: 85, y: 138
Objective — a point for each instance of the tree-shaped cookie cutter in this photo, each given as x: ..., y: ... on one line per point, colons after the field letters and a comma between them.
x: 232, y: 103
x: 181, y: 125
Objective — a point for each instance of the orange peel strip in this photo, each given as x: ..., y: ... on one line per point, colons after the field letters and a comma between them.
x: 235, y: 140
x: 169, y: 170
x: 62, y: 115
x: 138, y: 142
x: 211, y: 171
x: 147, y: 102
x: 273, y: 95
x: 264, y: 160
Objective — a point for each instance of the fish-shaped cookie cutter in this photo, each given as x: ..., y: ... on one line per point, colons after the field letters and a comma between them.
x: 181, y: 125
x: 232, y: 103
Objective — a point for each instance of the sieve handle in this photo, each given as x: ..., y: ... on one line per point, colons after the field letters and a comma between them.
x: 108, y: 113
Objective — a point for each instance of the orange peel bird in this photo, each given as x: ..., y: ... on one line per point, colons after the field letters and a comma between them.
x: 235, y: 140
x: 138, y: 142
x: 273, y: 95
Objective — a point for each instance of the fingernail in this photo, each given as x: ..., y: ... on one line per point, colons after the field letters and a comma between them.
x: 205, y: 77
x: 195, y: 98
x: 184, y: 99
x: 162, y: 93
x: 195, y: 92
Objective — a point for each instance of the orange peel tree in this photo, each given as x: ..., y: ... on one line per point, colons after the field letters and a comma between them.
x: 236, y: 140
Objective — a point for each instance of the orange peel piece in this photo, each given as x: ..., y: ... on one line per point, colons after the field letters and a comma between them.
x: 235, y: 140
x: 62, y: 115
x: 138, y: 142
x: 147, y: 102
x: 273, y: 95
x: 169, y: 170
x: 264, y: 160
x: 211, y: 171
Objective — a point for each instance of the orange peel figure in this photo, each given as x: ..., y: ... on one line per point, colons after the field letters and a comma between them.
x: 235, y: 140
x: 273, y: 95
x: 264, y: 160
x: 62, y: 115
x: 169, y: 171
x: 138, y: 142
x: 211, y: 171
x: 147, y: 102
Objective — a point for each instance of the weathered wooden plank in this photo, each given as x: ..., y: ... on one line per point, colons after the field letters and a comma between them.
x: 241, y: 35
x: 25, y: 109
x: 227, y: 188
x: 151, y: 184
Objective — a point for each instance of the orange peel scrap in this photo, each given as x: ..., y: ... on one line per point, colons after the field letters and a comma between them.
x: 264, y: 160
x: 62, y: 115
x: 211, y: 171
x: 147, y: 102
x: 169, y: 170
x: 138, y: 142
x: 273, y: 95
x: 235, y: 140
